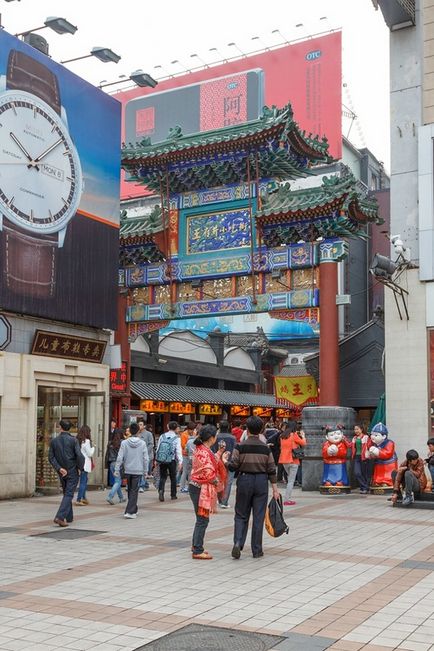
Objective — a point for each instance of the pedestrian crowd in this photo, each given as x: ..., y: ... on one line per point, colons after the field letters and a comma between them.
x: 203, y: 461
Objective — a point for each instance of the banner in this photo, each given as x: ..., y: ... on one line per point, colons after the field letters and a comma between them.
x: 59, y: 191
x: 297, y: 391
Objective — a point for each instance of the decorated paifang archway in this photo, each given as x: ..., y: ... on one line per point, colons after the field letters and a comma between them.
x: 236, y: 238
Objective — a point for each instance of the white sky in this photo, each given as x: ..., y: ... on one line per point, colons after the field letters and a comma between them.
x: 147, y: 34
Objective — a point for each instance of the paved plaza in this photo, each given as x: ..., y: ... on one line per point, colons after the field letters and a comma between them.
x: 352, y: 574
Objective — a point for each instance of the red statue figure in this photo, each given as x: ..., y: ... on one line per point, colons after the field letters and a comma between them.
x: 334, y: 454
x: 382, y: 451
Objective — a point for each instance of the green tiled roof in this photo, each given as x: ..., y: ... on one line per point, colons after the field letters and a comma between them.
x: 141, y: 225
x: 274, y: 145
x: 335, y: 208
x: 335, y: 193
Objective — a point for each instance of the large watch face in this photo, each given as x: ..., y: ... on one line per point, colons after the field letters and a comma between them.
x: 40, y: 172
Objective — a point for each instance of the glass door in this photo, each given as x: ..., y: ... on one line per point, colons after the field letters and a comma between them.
x: 48, y: 416
x: 92, y: 414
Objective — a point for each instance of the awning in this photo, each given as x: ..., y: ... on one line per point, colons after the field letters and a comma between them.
x: 201, y: 395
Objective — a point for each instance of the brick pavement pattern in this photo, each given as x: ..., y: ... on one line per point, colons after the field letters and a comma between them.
x: 351, y: 575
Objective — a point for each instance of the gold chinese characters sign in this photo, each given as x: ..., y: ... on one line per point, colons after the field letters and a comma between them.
x: 297, y: 391
x: 154, y: 406
x: 181, y: 408
x: 210, y: 410
x: 53, y: 344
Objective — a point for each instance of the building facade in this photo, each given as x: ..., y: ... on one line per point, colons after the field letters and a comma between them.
x: 409, y: 342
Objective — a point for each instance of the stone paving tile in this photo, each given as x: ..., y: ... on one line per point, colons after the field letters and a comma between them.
x: 112, y: 596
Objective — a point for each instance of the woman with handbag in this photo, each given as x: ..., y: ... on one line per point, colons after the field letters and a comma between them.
x: 291, y: 444
x: 87, y: 450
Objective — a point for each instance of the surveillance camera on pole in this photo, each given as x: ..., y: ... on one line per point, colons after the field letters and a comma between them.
x: 401, y: 251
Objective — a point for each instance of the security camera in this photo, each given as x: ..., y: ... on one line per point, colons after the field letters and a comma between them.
x: 400, y: 250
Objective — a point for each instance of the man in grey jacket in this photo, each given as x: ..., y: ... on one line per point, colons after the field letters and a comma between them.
x: 133, y: 455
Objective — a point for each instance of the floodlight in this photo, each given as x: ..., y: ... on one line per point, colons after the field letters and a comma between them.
x: 382, y: 267
x: 142, y: 79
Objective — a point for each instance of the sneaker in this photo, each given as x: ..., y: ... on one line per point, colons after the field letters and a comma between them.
x: 224, y: 506
x: 363, y: 491
x: 161, y: 496
x: 204, y: 556
x: 236, y: 552
x: 289, y: 503
x: 184, y: 490
x: 130, y: 516
x: 109, y: 500
x: 408, y: 499
x: 79, y: 503
x: 122, y: 499
x: 174, y: 497
x: 141, y: 490
x: 85, y: 501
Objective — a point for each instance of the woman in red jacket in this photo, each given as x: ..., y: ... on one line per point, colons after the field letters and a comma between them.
x: 208, y: 477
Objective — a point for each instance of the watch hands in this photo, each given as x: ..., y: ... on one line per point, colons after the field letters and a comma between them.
x: 31, y: 163
x: 47, y: 151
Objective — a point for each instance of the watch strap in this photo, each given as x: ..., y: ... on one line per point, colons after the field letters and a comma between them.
x: 29, y: 263
x: 28, y: 74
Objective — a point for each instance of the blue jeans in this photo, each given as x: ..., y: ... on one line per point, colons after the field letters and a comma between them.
x: 431, y: 469
x: 201, y: 522
x: 82, y: 486
x: 116, y: 488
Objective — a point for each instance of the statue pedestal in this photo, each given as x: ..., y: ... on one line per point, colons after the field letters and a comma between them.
x: 313, y: 420
x: 381, y: 490
x: 334, y: 490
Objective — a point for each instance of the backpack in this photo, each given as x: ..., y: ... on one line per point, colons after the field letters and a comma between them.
x: 274, y: 522
x: 166, y: 449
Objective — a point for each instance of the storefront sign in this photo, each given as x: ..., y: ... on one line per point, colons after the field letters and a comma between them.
x: 284, y: 413
x: 53, y: 344
x: 262, y: 412
x: 240, y: 411
x: 119, y: 379
x: 181, y: 408
x: 155, y: 406
x: 297, y: 391
x: 210, y: 410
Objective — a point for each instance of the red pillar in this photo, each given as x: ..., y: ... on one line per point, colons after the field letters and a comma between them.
x: 329, y: 335
x: 121, y: 337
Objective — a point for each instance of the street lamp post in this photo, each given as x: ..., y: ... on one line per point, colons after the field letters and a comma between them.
x: 59, y: 25
x: 104, y: 54
x: 139, y: 77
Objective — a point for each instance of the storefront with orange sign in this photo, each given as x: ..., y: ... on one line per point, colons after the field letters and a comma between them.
x: 161, y: 403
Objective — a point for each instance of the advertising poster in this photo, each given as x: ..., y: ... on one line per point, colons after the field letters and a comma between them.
x: 307, y: 73
x: 59, y: 190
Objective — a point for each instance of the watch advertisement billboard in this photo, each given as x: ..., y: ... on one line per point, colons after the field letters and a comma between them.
x: 59, y: 190
x: 307, y: 73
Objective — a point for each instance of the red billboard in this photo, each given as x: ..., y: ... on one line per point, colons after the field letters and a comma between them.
x: 306, y: 73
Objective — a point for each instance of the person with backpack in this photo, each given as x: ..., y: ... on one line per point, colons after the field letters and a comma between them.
x: 169, y: 457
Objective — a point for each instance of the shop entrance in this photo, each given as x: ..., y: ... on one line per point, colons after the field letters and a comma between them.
x: 80, y: 408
